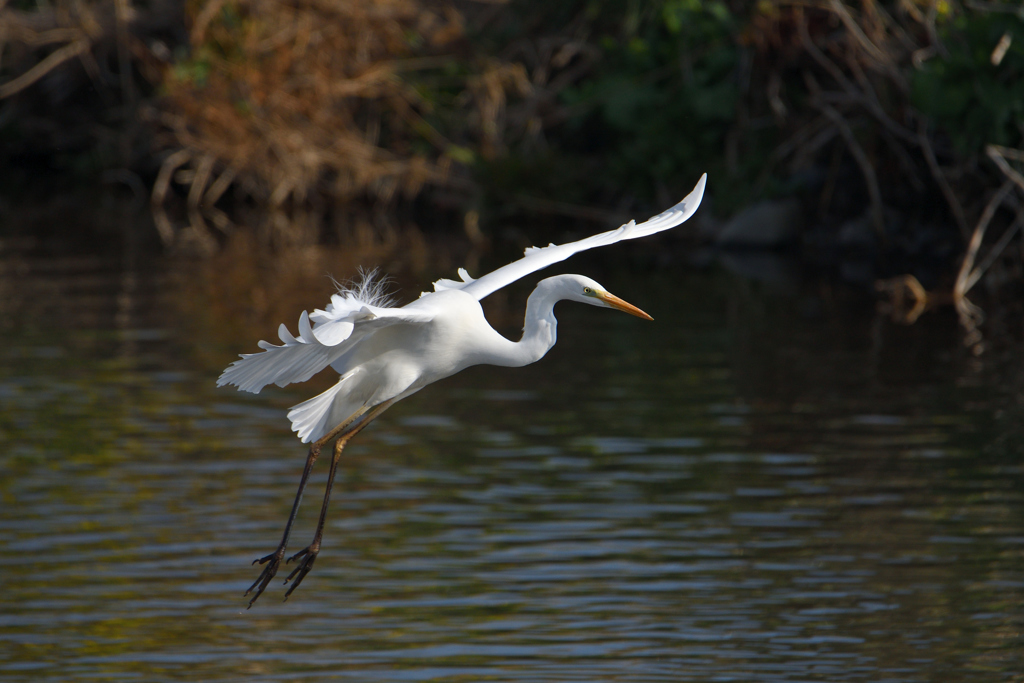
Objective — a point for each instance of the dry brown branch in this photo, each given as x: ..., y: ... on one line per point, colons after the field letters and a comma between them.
x: 19, y: 31
x: 910, y: 7
x: 167, y: 169
x: 996, y: 251
x: 877, y: 54
x: 965, y: 280
x: 971, y: 316
x: 204, y: 169
x: 219, y: 186
x: 999, y: 155
x: 51, y: 62
x: 219, y: 218
x: 969, y: 273
x: 163, y: 181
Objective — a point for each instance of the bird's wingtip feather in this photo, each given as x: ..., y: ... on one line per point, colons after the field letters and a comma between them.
x: 698, y: 190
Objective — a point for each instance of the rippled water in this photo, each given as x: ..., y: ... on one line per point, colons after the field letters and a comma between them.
x: 757, y: 486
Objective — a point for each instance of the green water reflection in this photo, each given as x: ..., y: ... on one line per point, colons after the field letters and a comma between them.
x: 757, y: 486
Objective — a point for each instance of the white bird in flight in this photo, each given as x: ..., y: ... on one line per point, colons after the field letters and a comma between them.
x: 384, y: 354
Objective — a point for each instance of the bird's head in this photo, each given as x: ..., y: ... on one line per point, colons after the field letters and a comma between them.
x: 583, y: 289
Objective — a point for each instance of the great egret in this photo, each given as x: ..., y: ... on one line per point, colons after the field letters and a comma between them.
x: 384, y: 354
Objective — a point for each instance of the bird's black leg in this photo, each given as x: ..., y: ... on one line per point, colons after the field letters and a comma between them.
x: 309, y: 553
x: 273, y: 560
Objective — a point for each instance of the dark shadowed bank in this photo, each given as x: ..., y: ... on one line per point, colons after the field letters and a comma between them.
x: 879, y: 140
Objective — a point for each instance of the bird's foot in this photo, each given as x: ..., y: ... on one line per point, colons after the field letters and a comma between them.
x: 308, y: 555
x: 273, y: 562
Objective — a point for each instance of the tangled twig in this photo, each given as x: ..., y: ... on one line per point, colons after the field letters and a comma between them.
x: 969, y: 273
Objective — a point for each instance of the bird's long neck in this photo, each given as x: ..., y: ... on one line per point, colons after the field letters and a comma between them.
x: 539, y: 327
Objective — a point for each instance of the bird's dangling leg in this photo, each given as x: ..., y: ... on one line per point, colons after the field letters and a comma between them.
x: 273, y: 560
x: 309, y: 553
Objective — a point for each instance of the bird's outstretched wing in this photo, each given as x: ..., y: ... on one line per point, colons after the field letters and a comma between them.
x: 334, y: 331
x: 538, y: 258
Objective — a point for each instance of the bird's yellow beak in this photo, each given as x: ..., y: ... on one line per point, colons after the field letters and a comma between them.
x: 624, y: 306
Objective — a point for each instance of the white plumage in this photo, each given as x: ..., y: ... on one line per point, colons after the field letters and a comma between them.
x: 383, y: 353
x: 349, y: 333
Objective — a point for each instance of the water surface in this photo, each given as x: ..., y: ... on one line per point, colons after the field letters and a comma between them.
x: 760, y: 485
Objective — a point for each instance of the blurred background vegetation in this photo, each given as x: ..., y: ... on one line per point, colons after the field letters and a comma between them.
x: 888, y: 128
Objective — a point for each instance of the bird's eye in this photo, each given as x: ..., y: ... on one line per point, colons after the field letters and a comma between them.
x: 588, y: 290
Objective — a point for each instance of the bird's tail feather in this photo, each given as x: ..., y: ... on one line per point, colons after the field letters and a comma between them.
x: 313, y: 418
